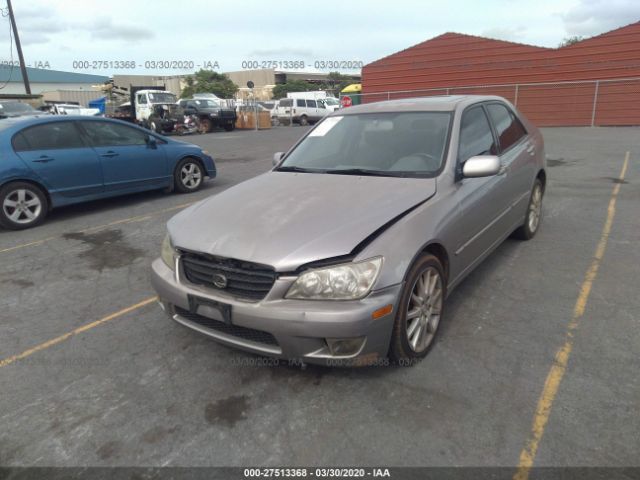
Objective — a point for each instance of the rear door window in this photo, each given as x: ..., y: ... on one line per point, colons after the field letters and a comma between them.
x: 508, y: 127
x: 20, y: 143
x: 50, y: 136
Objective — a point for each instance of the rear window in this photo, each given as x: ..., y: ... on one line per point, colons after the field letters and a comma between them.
x: 16, y: 107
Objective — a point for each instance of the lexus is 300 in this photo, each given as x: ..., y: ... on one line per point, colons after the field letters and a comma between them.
x: 346, y: 250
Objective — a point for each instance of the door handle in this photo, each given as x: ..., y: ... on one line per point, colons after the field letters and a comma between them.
x: 109, y: 154
x: 44, y: 159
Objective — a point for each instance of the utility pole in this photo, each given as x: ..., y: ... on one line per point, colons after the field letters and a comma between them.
x: 23, y: 67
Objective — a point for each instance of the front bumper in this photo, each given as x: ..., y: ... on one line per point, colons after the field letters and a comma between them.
x: 290, y: 329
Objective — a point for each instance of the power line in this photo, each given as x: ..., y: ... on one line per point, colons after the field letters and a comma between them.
x: 5, y: 13
x: 23, y: 67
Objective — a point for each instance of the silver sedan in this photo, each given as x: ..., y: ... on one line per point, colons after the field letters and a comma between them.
x: 345, y: 252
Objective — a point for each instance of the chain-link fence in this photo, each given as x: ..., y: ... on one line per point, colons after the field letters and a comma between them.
x: 575, y: 103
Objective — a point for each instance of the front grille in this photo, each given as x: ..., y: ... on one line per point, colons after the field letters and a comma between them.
x: 245, y: 280
x: 257, y: 336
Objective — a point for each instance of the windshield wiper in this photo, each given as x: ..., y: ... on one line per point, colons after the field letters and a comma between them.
x: 367, y: 172
x: 293, y: 168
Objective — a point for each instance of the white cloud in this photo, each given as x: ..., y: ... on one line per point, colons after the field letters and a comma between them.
x: 593, y: 17
x: 510, y: 34
x: 228, y: 33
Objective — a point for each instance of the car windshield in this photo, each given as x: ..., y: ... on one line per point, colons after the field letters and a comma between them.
x: 331, y: 101
x: 15, y: 107
x: 385, y: 144
x: 162, y: 97
x: 207, y: 103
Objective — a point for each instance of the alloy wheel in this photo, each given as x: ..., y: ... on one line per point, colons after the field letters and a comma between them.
x: 424, y: 310
x: 535, y: 209
x: 22, y: 206
x: 191, y: 176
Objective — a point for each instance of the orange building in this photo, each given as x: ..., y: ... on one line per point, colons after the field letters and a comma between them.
x: 592, y: 82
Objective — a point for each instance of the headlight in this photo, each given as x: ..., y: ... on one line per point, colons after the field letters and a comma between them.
x: 213, y: 114
x: 348, y: 281
x: 168, y: 252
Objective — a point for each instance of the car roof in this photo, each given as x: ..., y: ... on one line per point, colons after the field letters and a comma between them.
x: 441, y: 103
x: 18, y: 123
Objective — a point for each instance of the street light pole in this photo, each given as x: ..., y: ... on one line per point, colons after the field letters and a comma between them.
x: 23, y: 68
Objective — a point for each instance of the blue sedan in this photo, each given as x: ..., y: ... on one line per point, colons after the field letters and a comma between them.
x: 51, y: 161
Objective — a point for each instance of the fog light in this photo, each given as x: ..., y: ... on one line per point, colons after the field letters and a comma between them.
x: 344, y: 347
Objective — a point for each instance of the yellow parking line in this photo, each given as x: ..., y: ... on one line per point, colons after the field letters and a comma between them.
x: 83, y: 328
x: 30, y: 244
x: 554, y: 378
x: 138, y: 218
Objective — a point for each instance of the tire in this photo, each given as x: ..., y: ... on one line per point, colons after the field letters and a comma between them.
x: 155, y: 125
x: 188, y: 175
x: 533, y: 216
x: 230, y: 127
x: 304, y: 121
x: 31, y: 212
x: 412, y: 338
x: 206, y: 125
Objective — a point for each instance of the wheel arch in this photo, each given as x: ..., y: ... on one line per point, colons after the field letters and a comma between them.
x: 35, y: 183
x: 194, y: 157
x: 440, y: 252
x: 542, y: 176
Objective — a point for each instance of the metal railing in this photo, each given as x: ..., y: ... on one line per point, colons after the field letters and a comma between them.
x: 581, y: 102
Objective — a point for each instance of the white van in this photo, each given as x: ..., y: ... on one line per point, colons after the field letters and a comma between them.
x: 330, y: 102
x: 301, y: 110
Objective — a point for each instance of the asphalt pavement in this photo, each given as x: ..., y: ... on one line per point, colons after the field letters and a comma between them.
x: 137, y: 389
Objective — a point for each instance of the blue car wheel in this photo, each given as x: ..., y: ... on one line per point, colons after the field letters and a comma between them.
x: 22, y: 205
x: 189, y: 175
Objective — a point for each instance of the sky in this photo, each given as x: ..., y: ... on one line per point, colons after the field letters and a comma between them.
x: 86, y: 36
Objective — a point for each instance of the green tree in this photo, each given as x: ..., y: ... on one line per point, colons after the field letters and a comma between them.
x: 570, y: 40
x: 281, y: 90
x: 208, y: 81
x: 337, y: 81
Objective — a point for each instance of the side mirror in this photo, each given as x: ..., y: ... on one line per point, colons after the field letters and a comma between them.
x: 481, y: 166
x: 277, y: 157
x: 151, y: 142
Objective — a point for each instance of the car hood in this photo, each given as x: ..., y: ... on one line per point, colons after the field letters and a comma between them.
x: 288, y: 219
x: 215, y: 110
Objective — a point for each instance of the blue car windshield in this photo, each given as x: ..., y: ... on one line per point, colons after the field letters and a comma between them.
x: 390, y: 144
